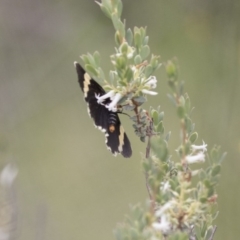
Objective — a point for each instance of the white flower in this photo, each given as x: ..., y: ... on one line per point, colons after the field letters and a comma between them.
x: 199, y: 157
x: 164, y: 225
x: 109, y: 94
x: 149, y: 92
x: 8, y: 175
x: 165, y: 186
x: 202, y: 147
x: 164, y: 208
x: 151, y: 82
x: 113, y: 105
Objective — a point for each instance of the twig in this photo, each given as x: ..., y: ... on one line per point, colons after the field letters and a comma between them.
x: 213, y: 232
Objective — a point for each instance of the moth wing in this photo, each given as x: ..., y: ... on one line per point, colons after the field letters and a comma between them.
x: 117, y: 140
x: 91, y: 88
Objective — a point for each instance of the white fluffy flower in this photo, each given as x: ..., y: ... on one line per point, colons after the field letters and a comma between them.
x: 109, y: 94
x: 164, y: 225
x: 202, y: 147
x: 199, y: 157
x: 164, y: 208
x: 165, y: 186
x: 113, y: 105
x: 151, y: 82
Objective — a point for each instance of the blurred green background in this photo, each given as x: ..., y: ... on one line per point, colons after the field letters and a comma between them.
x: 69, y: 186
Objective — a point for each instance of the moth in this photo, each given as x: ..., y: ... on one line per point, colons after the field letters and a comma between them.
x: 105, y: 120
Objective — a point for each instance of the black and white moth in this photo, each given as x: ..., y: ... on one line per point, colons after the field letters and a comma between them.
x: 105, y: 120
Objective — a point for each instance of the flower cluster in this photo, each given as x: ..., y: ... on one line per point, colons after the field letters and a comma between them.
x: 198, y: 154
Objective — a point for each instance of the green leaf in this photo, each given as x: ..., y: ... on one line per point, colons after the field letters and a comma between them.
x: 101, y: 74
x: 168, y: 136
x: 128, y: 107
x: 137, y: 40
x: 181, y: 87
x: 124, y: 48
x: 155, y: 117
x: 119, y: 8
x: 188, y: 124
x: 142, y: 32
x: 120, y: 63
x: 91, y: 70
x: 187, y: 148
x: 143, y: 138
x: 207, y: 183
x: 161, y: 116
x: 172, y: 99
x: 129, y: 36
x: 105, y: 10
x: 144, y: 52
x: 91, y: 60
x: 210, y: 191
x: 96, y: 57
x: 193, y: 137
x: 137, y: 59
x: 129, y: 74
x: 160, y: 128
x: 222, y: 157
x: 216, y: 170
x: 180, y: 112
x: 154, y: 61
x: 159, y: 146
x: 140, y: 100
x: 118, y: 38
x: 148, y: 71
x: 145, y: 40
x: 85, y: 59
x: 214, y: 154
x: 171, y: 70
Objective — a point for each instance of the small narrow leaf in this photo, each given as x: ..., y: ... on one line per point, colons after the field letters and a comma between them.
x: 161, y: 116
x: 145, y: 41
x: 137, y: 39
x: 129, y: 36
x: 155, y: 117
x: 222, y: 157
x: 96, y: 57
x: 160, y: 128
x: 168, y: 136
x: 216, y: 170
x: 172, y: 99
x: 119, y: 8
x: 193, y: 137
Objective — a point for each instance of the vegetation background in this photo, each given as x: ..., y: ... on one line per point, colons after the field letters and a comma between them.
x: 69, y: 186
